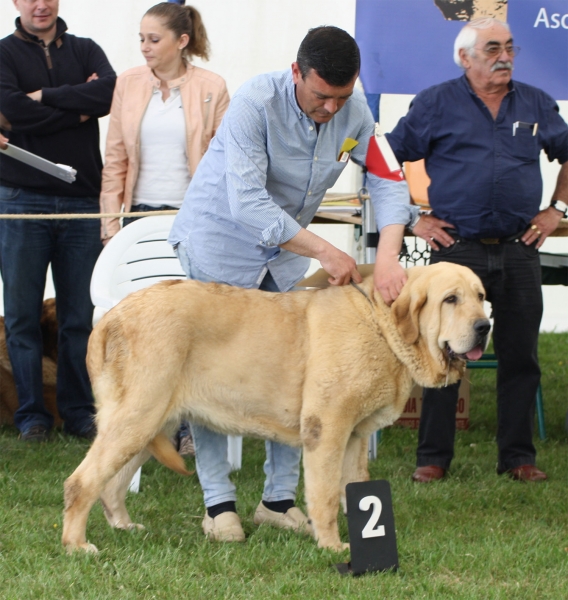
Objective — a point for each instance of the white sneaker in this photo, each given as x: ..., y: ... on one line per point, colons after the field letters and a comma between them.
x: 225, y: 527
x: 293, y: 519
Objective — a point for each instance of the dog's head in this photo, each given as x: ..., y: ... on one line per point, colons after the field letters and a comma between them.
x: 442, y: 306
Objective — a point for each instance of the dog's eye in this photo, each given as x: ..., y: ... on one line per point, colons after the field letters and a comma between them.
x: 451, y: 299
x: 481, y: 297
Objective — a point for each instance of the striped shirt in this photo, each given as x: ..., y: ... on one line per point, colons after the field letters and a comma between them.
x: 263, y: 178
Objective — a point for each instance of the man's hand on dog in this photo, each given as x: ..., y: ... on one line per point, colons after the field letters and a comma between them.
x: 341, y: 267
x: 389, y: 277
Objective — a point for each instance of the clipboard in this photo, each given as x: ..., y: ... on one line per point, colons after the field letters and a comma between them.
x: 64, y: 172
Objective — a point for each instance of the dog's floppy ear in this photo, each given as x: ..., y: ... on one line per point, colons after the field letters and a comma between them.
x: 406, y: 309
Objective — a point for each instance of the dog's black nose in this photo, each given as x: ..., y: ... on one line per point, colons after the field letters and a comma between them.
x: 482, y: 326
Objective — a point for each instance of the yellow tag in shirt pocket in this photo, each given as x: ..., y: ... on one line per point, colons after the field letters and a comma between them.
x: 346, y: 148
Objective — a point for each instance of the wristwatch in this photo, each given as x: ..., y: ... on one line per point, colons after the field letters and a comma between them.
x: 561, y: 206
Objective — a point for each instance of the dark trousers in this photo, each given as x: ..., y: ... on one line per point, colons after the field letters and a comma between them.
x: 27, y: 247
x: 144, y: 208
x: 511, y: 275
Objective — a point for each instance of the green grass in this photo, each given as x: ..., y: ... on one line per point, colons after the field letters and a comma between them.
x: 473, y: 536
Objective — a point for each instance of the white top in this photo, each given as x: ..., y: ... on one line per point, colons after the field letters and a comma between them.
x: 164, y: 175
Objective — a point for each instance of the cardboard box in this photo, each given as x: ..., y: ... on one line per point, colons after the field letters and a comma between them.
x: 411, y: 414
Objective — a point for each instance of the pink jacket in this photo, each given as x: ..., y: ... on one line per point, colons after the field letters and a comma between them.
x: 205, y: 100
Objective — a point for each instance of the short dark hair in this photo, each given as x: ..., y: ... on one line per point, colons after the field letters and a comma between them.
x: 332, y: 53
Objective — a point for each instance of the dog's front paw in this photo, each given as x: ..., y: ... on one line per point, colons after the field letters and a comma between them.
x: 335, y: 546
x: 128, y: 526
x: 86, y: 547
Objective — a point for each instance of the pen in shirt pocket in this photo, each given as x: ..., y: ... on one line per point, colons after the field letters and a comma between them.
x: 346, y: 148
x: 522, y: 125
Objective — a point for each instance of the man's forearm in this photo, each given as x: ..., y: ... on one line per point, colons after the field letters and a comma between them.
x: 21, y: 114
x: 389, y: 275
x: 390, y: 242
x: 561, y: 190
x: 338, y: 264
x: 306, y: 243
x: 90, y: 98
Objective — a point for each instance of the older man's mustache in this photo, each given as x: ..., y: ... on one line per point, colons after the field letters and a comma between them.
x: 502, y: 65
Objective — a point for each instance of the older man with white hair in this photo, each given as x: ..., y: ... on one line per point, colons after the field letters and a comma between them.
x: 481, y: 137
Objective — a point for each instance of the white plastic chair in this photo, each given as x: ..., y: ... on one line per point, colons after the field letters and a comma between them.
x: 137, y: 257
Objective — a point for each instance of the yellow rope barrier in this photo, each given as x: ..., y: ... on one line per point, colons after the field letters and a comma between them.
x: 331, y: 198
x: 561, y: 231
x: 90, y: 215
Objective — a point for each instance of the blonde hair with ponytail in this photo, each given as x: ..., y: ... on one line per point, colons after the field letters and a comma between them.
x: 184, y: 19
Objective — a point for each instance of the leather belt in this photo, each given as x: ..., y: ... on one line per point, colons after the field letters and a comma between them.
x: 490, y: 241
x: 493, y: 241
x: 503, y: 240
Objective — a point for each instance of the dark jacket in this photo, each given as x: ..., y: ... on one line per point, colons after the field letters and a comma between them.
x: 52, y: 128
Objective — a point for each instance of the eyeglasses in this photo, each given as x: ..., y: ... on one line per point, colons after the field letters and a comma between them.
x: 497, y: 49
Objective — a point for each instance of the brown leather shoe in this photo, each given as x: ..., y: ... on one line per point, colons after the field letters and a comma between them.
x: 428, y: 473
x: 526, y: 473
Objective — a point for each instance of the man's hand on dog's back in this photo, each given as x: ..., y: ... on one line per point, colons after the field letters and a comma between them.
x: 341, y: 267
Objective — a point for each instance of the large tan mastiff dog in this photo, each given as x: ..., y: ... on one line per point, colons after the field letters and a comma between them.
x: 321, y: 369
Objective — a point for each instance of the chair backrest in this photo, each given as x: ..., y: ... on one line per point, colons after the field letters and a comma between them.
x: 418, y: 182
x: 136, y: 257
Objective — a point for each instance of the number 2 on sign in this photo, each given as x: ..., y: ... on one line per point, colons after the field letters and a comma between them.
x: 369, y: 530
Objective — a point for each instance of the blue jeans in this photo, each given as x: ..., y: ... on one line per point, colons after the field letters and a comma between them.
x: 27, y: 247
x: 511, y: 275
x: 282, y: 465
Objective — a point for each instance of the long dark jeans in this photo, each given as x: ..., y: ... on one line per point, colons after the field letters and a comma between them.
x: 27, y: 247
x: 511, y: 275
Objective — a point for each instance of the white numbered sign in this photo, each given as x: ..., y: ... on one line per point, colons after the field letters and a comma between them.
x: 372, y: 535
x: 369, y: 530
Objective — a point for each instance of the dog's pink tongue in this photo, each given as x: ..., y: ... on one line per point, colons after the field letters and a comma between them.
x: 475, y: 354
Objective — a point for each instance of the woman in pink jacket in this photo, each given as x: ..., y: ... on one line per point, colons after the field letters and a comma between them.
x: 153, y: 147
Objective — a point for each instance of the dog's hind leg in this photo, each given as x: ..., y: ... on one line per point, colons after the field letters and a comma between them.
x: 114, y: 495
x: 83, y: 488
x: 122, y: 434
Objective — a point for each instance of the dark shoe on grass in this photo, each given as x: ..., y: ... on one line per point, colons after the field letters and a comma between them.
x: 428, y: 474
x: 526, y: 473
x: 36, y: 433
x: 89, y: 433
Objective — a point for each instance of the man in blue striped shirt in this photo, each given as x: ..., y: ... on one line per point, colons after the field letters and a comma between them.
x: 244, y: 218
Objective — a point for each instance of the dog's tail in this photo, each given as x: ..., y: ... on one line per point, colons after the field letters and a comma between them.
x: 163, y: 450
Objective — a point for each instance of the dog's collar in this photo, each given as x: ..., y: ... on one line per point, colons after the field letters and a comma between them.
x: 362, y: 291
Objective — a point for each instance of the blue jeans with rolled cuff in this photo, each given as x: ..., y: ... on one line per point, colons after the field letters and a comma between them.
x: 27, y: 247
x: 282, y: 465
x: 510, y: 272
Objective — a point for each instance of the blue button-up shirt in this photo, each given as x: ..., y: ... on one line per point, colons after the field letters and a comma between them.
x: 263, y: 178
x: 485, y: 174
